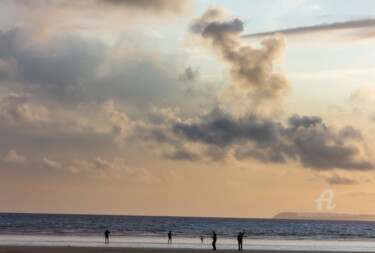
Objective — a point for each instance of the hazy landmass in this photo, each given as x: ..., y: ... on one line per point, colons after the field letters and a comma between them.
x: 324, y: 216
x: 35, y: 249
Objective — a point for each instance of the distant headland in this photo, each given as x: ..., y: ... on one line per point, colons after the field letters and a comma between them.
x: 324, y: 216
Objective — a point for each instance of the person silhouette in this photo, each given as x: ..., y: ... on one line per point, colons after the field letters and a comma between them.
x: 170, y: 237
x: 106, y: 236
x: 214, y: 238
x: 202, y: 239
x: 239, y: 239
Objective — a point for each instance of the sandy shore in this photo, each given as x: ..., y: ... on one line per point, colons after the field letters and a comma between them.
x: 25, y: 249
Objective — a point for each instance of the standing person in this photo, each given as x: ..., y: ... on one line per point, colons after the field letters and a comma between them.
x: 106, y: 236
x: 170, y: 237
x: 202, y: 239
x: 239, y: 239
x: 214, y: 238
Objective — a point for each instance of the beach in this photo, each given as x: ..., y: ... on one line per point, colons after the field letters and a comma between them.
x: 26, y: 249
x: 141, y: 233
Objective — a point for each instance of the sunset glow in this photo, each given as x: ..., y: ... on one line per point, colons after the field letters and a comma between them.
x: 186, y: 108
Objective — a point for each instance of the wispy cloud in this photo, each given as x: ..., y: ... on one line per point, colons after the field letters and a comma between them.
x: 333, y: 74
x: 13, y: 157
x: 337, y: 179
x: 360, y: 26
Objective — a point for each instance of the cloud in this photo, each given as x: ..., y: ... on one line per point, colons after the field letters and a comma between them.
x: 155, y: 6
x: 200, y: 90
x: 160, y: 116
x: 8, y: 68
x: 337, y: 179
x: 137, y: 5
x: 296, y: 121
x: 15, y: 109
x: 305, y: 139
x: 13, y: 157
x: 362, y: 94
x: 251, y: 133
x: 334, y: 74
x: 189, y: 75
x: 252, y: 69
x: 211, y: 15
x: 218, y: 30
x: 63, y: 71
x: 100, y: 167
x: 71, y: 71
x: 359, y: 29
x: 47, y: 17
x: 73, y: 84
x: 349, y: 132
x: 122, y: 126
x: 155, y: 131
x: 20, y: 112
x: 321, y: 148
x: 60, y: 63
x: 51, y: 164
x: 222, y: 130
x: 182, y: 155
x: 97, y: 167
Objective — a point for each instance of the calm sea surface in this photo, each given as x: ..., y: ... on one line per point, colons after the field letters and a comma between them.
x: 147, y: 231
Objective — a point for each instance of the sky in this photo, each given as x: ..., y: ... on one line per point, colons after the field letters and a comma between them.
x: 186, y: 108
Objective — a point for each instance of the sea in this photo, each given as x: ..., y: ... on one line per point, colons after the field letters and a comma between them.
x: 18, y: 229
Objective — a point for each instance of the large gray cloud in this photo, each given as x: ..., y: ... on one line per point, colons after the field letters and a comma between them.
x: 305, y: 139
x: 362, y: 29
x: 223, y: 130
x: 46, y: 83
x: 43, y: 47
x: 322, y: 149
x: 71, y: 69
x: 59, y: 68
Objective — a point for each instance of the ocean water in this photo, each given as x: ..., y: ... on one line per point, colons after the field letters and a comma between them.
x: 148, y: 231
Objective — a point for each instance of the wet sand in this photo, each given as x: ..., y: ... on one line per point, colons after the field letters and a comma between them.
x: 26, y: 249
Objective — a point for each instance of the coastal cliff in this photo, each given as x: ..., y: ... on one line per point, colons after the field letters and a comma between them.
x: 324, y: 216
